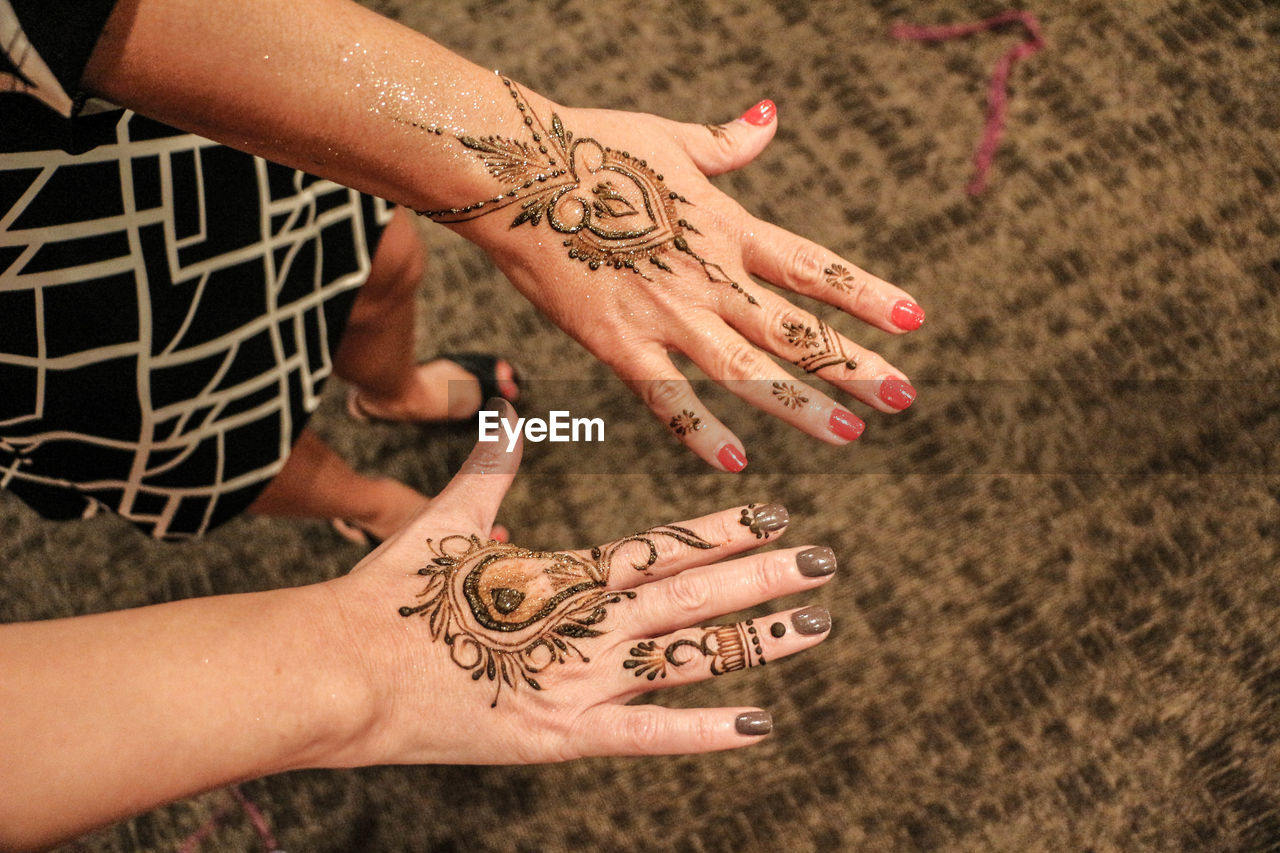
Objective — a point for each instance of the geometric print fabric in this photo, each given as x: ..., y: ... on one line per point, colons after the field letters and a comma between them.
x: 168, y: 310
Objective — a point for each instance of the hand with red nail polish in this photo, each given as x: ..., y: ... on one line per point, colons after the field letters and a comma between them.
x: 605, y: 220
x: 616, y: 234
x: 761, y: 114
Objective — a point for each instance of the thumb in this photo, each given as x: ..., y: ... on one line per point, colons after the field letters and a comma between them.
x: 471, y: 499
x: 718, y: 148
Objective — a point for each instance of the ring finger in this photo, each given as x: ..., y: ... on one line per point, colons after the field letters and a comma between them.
x: 696, y: 654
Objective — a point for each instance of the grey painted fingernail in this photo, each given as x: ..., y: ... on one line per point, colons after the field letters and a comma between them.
x: 764, y: 520
x: 816, y: 562
x: 811, y: 620
x: 754, y: 723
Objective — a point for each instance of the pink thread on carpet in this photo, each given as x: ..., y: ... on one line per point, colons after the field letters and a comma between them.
x: 192, y: 842
x: 998, y: 90
x: 259, y: 822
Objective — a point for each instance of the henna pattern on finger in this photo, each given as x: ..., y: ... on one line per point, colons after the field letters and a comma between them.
x: 685, y: 423
x: 613, y: 208
x: 789, y: 395
x: 800, y: 335
x: 763, y: 520
x: 839, y: 277
x: 509, y: 613
x: 683, y: 535
x: 828, y: 349
x: 717, y: 130
x: 729, y: 648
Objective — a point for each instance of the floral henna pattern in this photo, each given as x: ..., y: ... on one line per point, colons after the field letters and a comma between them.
x: 823, y: 346
x: 509, y: 613
x: 729, y: 648
x: 717, y: 130
x: 789, y: 395
x: 800, y: 335
x: 839, y: 277
x: 612, y: 208
x: 685, y: 423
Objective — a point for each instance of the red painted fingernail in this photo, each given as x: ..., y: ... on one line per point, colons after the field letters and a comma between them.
x: 847, y: 425
x: 897, y: 393
x: 907, y: 315
x: 761, y: 114
x: 732, y: 458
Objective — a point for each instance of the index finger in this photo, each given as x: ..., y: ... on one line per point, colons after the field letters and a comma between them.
x: 670, y: 548
x: 803, y: 266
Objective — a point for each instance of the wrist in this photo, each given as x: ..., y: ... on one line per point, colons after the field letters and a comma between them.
x: 332, y: 699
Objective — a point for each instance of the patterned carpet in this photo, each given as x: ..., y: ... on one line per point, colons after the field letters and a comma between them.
x: 1058, y: 606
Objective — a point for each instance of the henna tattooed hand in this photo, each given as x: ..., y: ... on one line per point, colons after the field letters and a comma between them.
x: 484, y: 652
x: 607, y: 223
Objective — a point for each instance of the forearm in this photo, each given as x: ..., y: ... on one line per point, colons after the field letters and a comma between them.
x: 108, y: 715
x: 325, y: 86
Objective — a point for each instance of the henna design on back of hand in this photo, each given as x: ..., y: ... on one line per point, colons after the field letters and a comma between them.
x: 508, y: 613
x: 612, y: 208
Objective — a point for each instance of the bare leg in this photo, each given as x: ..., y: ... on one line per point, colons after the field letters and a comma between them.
x: 316, y: 483
x: 377, y: 351
x: 377, y: 356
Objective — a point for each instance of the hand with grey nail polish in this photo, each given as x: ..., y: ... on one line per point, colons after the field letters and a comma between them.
x: 520, y: 655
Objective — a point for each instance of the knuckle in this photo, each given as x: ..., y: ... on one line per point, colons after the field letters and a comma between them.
x: 705, y: 733
x: 804, y: 265
x: 767, y: 573
x: 688, y: 593
x: 740, y: 362
x: 724, y: 151
x: 777, y: 318
x: 664, y: 395
x: 641, y: 730
x: 569, y: 741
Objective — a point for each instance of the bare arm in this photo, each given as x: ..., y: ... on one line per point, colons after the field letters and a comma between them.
x: 326, y: 86
x: 441, y: 647
x: 604, y: 220
x: 111, y: 714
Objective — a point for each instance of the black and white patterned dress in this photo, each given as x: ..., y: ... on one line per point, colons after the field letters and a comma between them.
x: 168, y: 306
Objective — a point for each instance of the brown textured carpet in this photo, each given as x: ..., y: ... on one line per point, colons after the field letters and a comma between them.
x: 1058, y: 602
